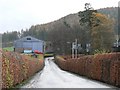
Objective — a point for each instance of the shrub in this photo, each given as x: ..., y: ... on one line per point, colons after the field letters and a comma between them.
x: 17, y: 68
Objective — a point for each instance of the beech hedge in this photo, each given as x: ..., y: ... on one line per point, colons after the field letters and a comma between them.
x: 16, y: 68
x: 102, y: 67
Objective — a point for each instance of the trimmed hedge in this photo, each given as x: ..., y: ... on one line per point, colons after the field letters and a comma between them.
x: 102, y: 67
x: 16, y: 68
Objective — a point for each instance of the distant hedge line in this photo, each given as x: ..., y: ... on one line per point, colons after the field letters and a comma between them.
x: 102, y: 67
x: 17, y: 68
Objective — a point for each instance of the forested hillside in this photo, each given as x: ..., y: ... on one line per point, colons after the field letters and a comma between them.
x: 113, y: 14
x: 63, y: 31
x: 70, y: 22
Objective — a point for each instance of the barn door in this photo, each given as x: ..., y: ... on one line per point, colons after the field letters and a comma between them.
x: 27, y: 45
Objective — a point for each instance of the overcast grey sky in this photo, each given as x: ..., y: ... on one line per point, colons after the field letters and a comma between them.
x: 21, y: 14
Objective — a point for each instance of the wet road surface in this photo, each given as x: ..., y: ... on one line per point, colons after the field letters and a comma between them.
x: 53, y: 77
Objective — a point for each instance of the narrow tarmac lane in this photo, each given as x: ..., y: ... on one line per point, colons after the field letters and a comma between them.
x: 53, y: 77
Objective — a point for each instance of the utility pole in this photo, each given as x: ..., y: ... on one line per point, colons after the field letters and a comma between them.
x: 74, y: 49
x: 73, y: 46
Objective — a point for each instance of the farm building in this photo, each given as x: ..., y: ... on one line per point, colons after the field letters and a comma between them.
x: 28, y: 43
